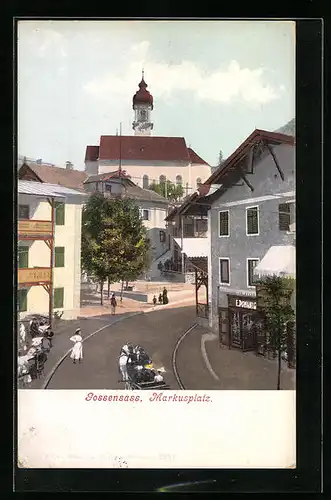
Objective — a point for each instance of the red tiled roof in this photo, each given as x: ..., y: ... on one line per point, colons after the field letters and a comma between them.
x: 195, y: 158
x: 92, y: 153
x: 108, y: 175
x: 143, y: 148
x: 55, y: 175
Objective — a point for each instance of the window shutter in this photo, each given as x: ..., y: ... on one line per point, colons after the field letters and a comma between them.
x: 23, y: 257
x: 58, y: 297
x: 252, y: 221
x: 59, y: 256
x: 284, y: 212
x: 59, y: 213
x: 224, y: 223
x: 22, y: 300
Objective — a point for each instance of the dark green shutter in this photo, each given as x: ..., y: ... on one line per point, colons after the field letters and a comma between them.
x: 58, y: 298
x: 59, y: 213
x: 23, y: 257
x: 22, y: 299
x: 284, y: 216
x: 59, y: 256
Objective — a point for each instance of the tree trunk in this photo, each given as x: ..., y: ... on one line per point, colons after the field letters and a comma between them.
x: 108, y: 291
x: 101, y: 293
x: 122, y: 290
x: 279, y: 367
x: 126, y: 284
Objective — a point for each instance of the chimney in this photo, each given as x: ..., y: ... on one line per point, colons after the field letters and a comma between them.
x: 69, y: 165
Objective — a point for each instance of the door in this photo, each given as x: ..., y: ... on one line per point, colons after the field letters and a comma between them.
x: 247, y: 327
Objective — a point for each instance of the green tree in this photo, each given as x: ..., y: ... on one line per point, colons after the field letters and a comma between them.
x: 114, y: 243
x: 275, y: 303
x: 220, y: 158
x: 169, y: 190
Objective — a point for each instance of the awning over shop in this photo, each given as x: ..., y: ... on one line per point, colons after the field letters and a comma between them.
x: 194, y: 247
x: 279, y: 261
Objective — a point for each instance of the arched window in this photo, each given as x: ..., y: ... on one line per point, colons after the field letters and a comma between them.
x: 198, y: 182
x: 179, y: 180
x: 162, y: 179
x: 145, y: 181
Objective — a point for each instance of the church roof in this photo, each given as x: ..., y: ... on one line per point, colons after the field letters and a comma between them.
x: 142, y: 148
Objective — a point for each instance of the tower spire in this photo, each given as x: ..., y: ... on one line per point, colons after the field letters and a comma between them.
x: 142, y: 73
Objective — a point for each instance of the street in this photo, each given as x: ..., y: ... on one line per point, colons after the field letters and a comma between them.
x: 156, y: 331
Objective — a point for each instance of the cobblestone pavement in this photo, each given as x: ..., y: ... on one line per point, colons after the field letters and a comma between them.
x: 157, y: 331
x: 236, y: 370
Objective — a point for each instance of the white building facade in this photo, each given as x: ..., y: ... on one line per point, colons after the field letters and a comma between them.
x: 35, y: 229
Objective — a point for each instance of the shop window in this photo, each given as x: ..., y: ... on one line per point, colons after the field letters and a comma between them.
x: 59, y: 213
x: 59, y: 257
x: 252, y: 220
x: 23, y: 257
x: 224, y: 223
x: 58, y: 298
x: 225, y: 271
x: 251, y: 277
x: 22, y: 300
x: 23, y: 211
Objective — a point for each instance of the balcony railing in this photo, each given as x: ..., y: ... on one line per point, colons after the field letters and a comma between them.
x: 34, y: 229
x: 35, y: 275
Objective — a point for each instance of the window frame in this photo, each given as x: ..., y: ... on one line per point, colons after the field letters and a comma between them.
x: 108, y: 187
x: 179, y: 180
x: 220, y: 269
x: 18, y: 255
x: 198, y: 184
x: 55, y: 265
x: 56, y: 205
x: 143, y: 211
x: 289, y: 213
x: 250, y: 259
x: 258, y: 220
x: 25, y: 206
x: 55, y: 290
x: 219, y: 224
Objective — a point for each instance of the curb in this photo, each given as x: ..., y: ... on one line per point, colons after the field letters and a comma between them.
x: 205, y: 338
x: 60, y: 361
x: 174, y: 365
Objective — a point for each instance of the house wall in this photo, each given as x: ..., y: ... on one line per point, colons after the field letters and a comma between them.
x: 68, y: 236
x: 154, y: 225
x: 238, y: 246
x: 170, y: 170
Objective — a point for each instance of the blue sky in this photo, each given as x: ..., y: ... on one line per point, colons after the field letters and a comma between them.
x: 213, y: 82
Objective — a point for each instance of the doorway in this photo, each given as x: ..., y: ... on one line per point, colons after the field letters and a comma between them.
x: 242, y: 332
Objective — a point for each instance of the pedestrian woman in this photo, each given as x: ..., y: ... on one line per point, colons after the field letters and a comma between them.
x: 113, y: 304
x: 165, y: 296
x: 77, y: 350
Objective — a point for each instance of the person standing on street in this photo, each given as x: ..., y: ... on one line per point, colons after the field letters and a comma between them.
x: 113, y: 304
x: 160, y: 299
x: 122, y: 363
x: 154, y: 300
x: 77, y: 350
x: 165, y: 296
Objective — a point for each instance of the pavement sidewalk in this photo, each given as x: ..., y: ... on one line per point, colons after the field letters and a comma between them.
x: 203, y: 364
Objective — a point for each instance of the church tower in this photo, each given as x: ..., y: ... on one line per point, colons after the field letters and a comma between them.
x: 142, y: 104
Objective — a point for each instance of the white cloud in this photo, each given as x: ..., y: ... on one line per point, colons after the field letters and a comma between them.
x: 222, y: 85
x: 48, y: 42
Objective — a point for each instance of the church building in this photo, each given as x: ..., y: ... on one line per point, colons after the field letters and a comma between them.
x: 147, y: 158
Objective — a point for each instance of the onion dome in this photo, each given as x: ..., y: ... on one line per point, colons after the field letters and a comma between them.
x: 142, y: 96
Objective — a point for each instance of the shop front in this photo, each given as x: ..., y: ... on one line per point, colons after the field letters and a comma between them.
x: 237, y: 323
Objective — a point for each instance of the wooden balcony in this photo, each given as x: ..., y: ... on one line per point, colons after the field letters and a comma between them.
x: 29, y: 229
x: 34, y: 276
